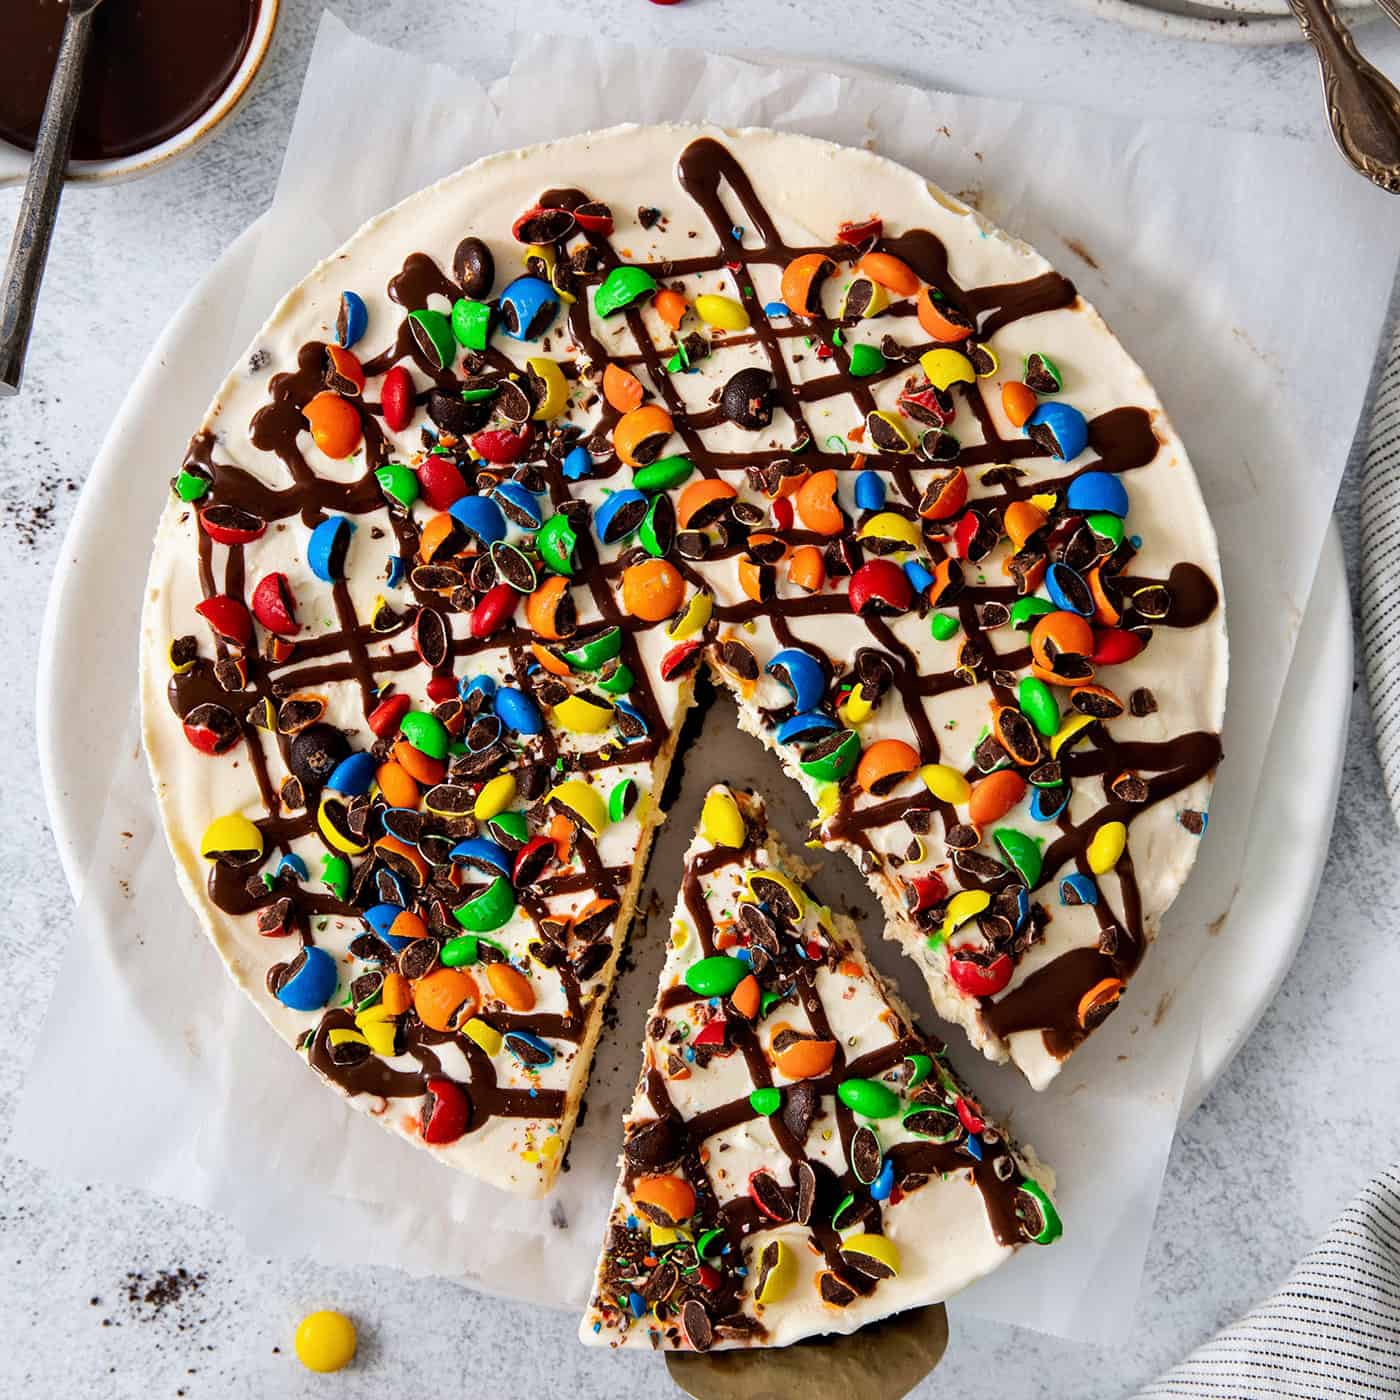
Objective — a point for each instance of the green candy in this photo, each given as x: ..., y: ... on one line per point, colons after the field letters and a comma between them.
x: 1109, y: 527
x: 434, y: 336
x: 191, y: 486
x: 461, y: 951
x: 471, y: 323
x: 833, y: 766
x: 398, y: 482
x: 477, y: 395
x: 766, y: 1101
x: 845, y: 1213
x: 1024, y: 611
x: 768, y: 1001
x: 1051, y: 1227
x: 646, y: 532
x: 1022, y: 851
x: 335, y: 876
x: 555, y: 541
x: 715, y: 976
x: 705, y: 1246
x: 920, y: 1118
x: 920, y: 1067
x: 488, y: 910
x: 622, y: 799
x: 512, y: 825
x: 618, y: 681
x: 1048, y: 365
x: 943, y: 626
x: 621, y: 287
x: 868, y: 1097
x: 663, y: 474
x: 596, y: 652
x: 1038, y: 705
x: 865, y: 361
x: 425, y: 732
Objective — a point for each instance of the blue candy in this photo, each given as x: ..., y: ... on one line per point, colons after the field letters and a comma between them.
x: 1023, y: 907
x: 974, y: 1146
x: 1095, y: 491
x: 522, y: 501
x: 528, y: 305
x: 1059, y: 578
x: 518, y: 712
x: 1066, y: 424
x: 638, y: 720
x: 325, y: 551
x: 870, y: 491
x: 293, y: 862
x: 517, y: 1042
x: 883, y: 1184
x: 606, y: 513
x: 312, y: 985
x: 1048, y: 803
x: 801, y: 674
x: 776, y: 308
x: 803, y: 728
x: 470, y: 685
x: 380, y: 917
x: 352, y: 775
x: 391, y: 887
x: 919, y: 577
x: 394, y: 573
x: 482, y: 735
x: 353, y: 319
x: 636, y: 1304
x: 1078, y: 889
x: 480, y: 517
x: 578, y: 464
x: 405, y: 817
x: 484, y: 852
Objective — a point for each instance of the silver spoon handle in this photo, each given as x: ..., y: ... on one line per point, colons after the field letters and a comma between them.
x: 29, y: 249
x: 1363, y: 106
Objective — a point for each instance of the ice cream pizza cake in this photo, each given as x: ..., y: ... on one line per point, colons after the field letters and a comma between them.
x: 438, y: 570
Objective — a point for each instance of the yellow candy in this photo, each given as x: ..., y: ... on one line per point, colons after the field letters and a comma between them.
x: 1072, y: 729
x: 1106, y: 847
x: 947, y: 367
x: 890, y: 526
x: 964, y: 905
x: 344, y: 1037
x: 338, y: 840
x: 879, y: 299
x: 828, y: 800
x: 721, y: 819
x: 945, y: 783
x: 544, y: 252
x: 580, y: 716
x: 663, y: 1235
x: 556, y: 388
x: 233, y: 836
x: 992, y: 363
x: 325, y: 1341
x: 794, y: 891
x: 1045, y: 500
x: 550, y: 1148
x: 179, y: 668
x: 778, y: 1282
x: 488, y: 1037
x: 723, y: 313
x: 693, y: 619
x: 903, y: 440
x: 584, y: 802
x: 857, y: 708
x: 494, y: 798
x: 878, y: 1247
x: 680, y: 934
x: 377, y: 1028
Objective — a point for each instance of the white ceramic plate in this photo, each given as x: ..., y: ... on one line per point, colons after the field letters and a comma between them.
x: 1222, y: 21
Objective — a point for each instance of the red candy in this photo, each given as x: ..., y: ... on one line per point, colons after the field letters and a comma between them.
x: 229, y: 525
x: 880, y: 586
x: 782, y: 513
x: 446, y: 1112
x: 927, y: 890
x: 274, y: 606
x: 856, y: 234
x: 396, y: 399
x: 384, y: 718
x: 501, y: 446
x: 493, y: 610
x: 711, y: 1033
x: 1114, y: 645
x: 228, y: 617
x: 441, y: 482
x: 969, y: 1115
x: 441, y: 688
x: 974, y: 980
x: 207, y: 739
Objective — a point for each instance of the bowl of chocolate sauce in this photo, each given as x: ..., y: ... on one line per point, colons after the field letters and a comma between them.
x: 160, y: 76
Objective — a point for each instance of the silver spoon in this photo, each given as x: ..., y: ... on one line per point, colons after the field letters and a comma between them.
x: 1362, y: 104
x: 30, y: 249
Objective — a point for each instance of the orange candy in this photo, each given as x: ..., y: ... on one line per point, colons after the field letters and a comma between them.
x: 542, y: 607
x: 664, y: 1200
x: 889, y: 271
x: 670, y: 306
x: 396, y: 995
x: 335, y: 424
x: 944, y: 496
x: 652, y: 590
x: 755, y: 579
x: 422, y: 769
x: 438, y: 537
x: 933, y: 318
x: 802, y: 1059
x: 1021, y: 520
x: 1099, y: 998
x: 807, y: 568
x: 801, y: 286
x: 947, y: 575
x: 1018, y: 401
x: 884, y: 764
x: 561, y: 832
x: 555, y: 665
x: 816, y: 504
x: 1106, y: 613
x: 622, y: 390
x: 511, y: 985
x: 405, y: 855
x: 700, y: 502
x: 994, y: 796
x: 746, y: 997
x: 641, y: 434
x: 445, y: 999
x: 1058, y: 632
x: 346, y: 369
x: 398, y: 788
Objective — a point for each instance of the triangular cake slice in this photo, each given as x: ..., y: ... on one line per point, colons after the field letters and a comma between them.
x: 798, y: 1158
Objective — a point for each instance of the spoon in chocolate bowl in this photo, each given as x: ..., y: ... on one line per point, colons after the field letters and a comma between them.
x: 29, y: 249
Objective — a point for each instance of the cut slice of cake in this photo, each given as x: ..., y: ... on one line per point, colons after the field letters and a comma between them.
x: 798, y: 1157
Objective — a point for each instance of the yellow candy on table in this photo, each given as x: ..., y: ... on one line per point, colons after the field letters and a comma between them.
x: 1106, y: 847
x: 945, y: 783
x: 556, y: 388
x: 494, y: 798
x: 723, y: 313
x: 1073, y: 728
x: 693, y: 619
x: 944, y: 368
x: 722, y: 821
x: 234, y: 837
x: 889, y: 525
x: 584, y: 802
x: 880, y: 1248
x: 325, y: 1341
x: 486, y: 1036
x: 580, y: 716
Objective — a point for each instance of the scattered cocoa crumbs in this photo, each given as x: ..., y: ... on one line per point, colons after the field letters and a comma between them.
x: 161, y: 1290
x: 33, y: 516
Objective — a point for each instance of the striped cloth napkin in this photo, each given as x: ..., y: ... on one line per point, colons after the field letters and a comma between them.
x: 1332, y: 1332
x: 1380, y: 573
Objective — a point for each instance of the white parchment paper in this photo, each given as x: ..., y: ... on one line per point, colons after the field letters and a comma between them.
x: 1249, y: 275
